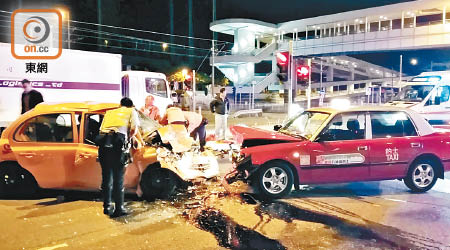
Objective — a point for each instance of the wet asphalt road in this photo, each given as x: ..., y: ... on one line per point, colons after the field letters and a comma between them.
x: 377, y: 215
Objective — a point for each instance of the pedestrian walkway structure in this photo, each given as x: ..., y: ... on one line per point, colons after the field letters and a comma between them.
x: 327, y: 39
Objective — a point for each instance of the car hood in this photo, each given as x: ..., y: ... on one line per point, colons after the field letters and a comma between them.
x: 249, y: 137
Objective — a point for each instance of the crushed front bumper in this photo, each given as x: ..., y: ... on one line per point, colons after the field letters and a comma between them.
x: 243, y: 170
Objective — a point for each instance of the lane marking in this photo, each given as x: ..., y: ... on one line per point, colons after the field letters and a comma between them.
x: 394, y: 200
x: 54, y: 247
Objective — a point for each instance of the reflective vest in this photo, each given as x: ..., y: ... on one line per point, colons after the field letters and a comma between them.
x: 116, y: 118
x: 175, y: 114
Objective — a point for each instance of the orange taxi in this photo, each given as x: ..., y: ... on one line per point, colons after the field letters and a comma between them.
x: 52, y: 147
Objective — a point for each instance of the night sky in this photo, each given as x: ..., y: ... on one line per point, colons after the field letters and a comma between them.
x: 154, y: 15
x: 276, y: 11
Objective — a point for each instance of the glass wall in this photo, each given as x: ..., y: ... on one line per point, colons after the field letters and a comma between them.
x: 373, y: 24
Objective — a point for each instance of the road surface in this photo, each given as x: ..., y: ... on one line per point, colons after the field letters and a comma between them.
x: 375, y: 215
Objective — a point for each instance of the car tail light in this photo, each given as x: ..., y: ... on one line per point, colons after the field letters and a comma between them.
x: 6, y: 148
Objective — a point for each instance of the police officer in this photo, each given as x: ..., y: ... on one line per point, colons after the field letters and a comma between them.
x: 118, y: 127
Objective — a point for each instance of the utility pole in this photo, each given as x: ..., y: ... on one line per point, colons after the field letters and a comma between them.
x: 99, y: 21
x: 213, y: 52
x: 214, y: 17
x: 194, y: 87
x: 213, y: 49
x: 252, y: 106
x: 401, y: 72
x: 171, y: 16
x: 68, y: 29
x: 290, y: 78
x: 191, y: 31
x: 321, y: 73
x: 309, y: 84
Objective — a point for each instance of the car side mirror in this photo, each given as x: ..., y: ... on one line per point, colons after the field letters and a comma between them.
x: 325, y: 137
x: 277, y: 127
x: 318, y: 139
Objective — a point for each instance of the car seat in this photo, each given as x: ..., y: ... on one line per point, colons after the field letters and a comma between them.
x: 378, y: 129
x: 355, y: 130
x: 44, y: 132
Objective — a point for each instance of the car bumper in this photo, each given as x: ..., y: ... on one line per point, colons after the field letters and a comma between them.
x: 244, y: 169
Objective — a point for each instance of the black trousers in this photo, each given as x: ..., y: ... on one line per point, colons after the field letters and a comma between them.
x: 112, y: 175
x: 200, y: 131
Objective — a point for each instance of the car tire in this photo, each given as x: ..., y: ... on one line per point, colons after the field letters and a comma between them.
x: 16, y: 182
x: 421, y: 176
x: 158, y: 183
x: 274, y: 180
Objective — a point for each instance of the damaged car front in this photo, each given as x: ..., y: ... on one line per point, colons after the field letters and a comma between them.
x: 179, y: 160
x: 264, y: 159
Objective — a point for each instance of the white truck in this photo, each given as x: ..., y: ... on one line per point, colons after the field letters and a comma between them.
x: 77, y: 76
x: 428, y: 94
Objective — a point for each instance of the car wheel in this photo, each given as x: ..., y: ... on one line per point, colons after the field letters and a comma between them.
x: 157, y: 182
x: 421, y: 176
x: 274, y: 180
x: 16, y: 181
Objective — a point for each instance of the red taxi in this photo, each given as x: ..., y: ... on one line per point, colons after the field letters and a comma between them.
x: 324, y: 145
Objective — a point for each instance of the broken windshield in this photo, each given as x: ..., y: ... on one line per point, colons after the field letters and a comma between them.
x: 147, y: 125
x: 305, y: 124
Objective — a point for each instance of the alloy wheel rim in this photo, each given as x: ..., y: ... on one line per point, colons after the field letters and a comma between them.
x: 275, y: 180
x: 423, y: 175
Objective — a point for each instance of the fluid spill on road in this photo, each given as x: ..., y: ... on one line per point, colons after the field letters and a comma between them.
x: 228, y: 233
x: 232, y: 235
x: 374, y: 234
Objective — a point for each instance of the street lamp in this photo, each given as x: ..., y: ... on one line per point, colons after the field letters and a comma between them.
x: 164, y: 46
x: 65, y: 13
x: 414, y: 61
x: 184, y: 72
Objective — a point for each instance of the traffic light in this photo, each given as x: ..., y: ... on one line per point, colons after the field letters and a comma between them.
x: 303, y: 72
x: 283, y: 65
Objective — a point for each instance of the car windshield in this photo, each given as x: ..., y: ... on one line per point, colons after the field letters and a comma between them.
x: 414, y: 93
x: 305, y: 124
x: 156, y: 86
x: 147, y: 125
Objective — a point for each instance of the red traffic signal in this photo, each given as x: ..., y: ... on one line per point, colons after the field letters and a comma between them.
x: 303, y: 72
x: 283, y: 65
x: 283, y: 58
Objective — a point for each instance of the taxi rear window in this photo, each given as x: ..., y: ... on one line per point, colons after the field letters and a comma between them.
x: 46, y: 128
x: 391, y: 124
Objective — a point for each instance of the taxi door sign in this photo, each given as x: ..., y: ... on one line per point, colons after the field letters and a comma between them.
x: 340, y: 159
x: 392, y: 154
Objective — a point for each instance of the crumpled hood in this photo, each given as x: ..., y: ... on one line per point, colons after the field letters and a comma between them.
x: 401, y: 104
x: 256, y: 137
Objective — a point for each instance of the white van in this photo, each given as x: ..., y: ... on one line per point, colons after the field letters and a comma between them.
x: 139, y: 84
x: 428, y: 94
x: 77, y: 76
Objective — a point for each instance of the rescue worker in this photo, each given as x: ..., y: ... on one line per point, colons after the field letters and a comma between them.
x: 118, y: 127
x: 150, y: 109
x: 220, y: 106
x: 194, y: 122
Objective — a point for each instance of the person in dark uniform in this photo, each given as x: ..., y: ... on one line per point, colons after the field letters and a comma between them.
x: 118, y: 127
x: 30, y: 97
